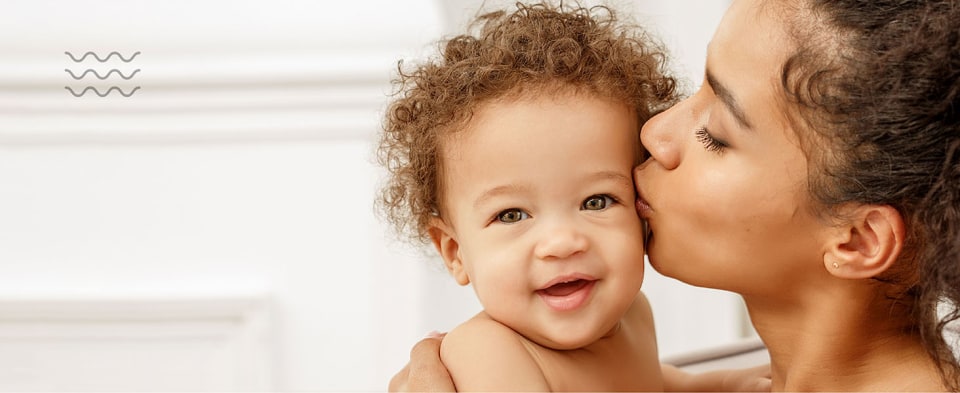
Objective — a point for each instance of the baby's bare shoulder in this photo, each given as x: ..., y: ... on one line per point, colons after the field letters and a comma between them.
x: 483, y: 354
x: 640, y: 311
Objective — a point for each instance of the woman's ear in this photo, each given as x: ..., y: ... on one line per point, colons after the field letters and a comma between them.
x: 444, y: 239
x: 866, y: 245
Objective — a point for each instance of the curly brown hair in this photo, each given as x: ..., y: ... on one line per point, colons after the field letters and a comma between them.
x: 879, y: 83
x: 535, y: 47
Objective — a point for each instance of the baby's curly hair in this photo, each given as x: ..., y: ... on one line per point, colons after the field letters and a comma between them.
x: 535, y: 47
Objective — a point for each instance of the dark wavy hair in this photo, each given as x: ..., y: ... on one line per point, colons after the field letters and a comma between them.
x: 538, y: 48
x: 879, y: 82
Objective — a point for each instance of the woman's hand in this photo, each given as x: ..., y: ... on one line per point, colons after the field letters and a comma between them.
x: 425, y: 372
x: 754, y: 379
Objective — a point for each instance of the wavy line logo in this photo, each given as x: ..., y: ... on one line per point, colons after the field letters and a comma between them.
x: 107, y: 90
x: 97, y: 74
x: 97, y: 92
x: 103, y: 60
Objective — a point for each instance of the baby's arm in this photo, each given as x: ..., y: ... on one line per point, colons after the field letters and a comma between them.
x: 484, y: 355
x: 755, y: 379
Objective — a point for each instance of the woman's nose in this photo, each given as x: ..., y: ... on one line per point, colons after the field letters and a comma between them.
x: 661, y: 137
x: 561, y: 240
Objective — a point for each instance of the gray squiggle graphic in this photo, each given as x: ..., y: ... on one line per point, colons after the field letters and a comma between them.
x: 84, y: 57
x: 84, y: 91
x: 97, y: 74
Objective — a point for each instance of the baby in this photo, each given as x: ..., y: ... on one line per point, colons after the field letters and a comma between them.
x: 513, y: 155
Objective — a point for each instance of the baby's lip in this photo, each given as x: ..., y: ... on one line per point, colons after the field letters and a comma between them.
x: 567, y: 293
x: 567, y: 278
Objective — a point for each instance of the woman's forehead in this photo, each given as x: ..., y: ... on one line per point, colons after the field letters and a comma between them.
x: 745, y: 57
x: 762, y: 24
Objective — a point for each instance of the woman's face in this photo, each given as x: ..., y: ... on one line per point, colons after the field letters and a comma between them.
x: 724, y: 191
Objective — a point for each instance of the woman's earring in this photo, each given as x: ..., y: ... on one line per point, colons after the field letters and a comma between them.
x: 836, y: 265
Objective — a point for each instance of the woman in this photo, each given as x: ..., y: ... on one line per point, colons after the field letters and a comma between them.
x: 815, y: 173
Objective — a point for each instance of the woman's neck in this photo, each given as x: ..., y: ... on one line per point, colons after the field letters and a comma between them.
x: 844, y: 338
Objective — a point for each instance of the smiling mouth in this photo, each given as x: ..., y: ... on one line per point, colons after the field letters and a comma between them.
x: 568, y: 294
x: 565, y: 288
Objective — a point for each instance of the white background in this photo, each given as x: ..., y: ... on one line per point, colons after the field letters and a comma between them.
x: 215, y: 230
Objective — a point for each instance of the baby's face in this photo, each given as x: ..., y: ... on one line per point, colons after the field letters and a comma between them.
x: 539, y: 197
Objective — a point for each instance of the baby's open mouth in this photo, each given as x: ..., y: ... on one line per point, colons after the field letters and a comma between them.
x: 567, y: 295
x: 565, y: 288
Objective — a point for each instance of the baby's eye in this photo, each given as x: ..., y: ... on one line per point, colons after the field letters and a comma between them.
x: 511, y: 216
x: 597, y: 202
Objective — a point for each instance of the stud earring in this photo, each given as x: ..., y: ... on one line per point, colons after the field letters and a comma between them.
x: 836, y: 265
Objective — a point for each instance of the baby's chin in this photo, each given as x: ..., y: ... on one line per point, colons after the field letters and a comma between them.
x: 569, y: 340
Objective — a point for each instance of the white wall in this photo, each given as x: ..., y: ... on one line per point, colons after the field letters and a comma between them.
x: 220, y: 217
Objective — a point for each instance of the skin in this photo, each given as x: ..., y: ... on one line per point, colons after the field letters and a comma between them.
x: 428, y: 373
x: 738, y: 216
x: 714, y: 205
x: 742, y: 206
x: 557, y: 203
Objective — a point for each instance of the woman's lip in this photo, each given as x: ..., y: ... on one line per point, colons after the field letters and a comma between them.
x: 643, y: 208
x: 645, y: 212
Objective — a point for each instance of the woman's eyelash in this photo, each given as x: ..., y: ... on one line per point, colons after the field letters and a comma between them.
x: 709, y: 142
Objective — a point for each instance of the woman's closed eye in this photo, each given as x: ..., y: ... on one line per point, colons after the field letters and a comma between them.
x: 597, y: 202
x: 511, y: 216
x: 709, y: 142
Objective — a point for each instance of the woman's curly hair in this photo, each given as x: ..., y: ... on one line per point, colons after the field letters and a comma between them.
x: 534, y: 47
x: 879, y: 83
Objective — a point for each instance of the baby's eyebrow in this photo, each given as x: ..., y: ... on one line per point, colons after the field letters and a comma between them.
x: 616, y: 177
x: 497, y: 191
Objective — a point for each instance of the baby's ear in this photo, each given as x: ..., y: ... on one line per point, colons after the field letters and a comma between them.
x: 866, y: 245
x: 445, y: 240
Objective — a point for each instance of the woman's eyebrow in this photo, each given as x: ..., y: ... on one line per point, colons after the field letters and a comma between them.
x: 728, y: 99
